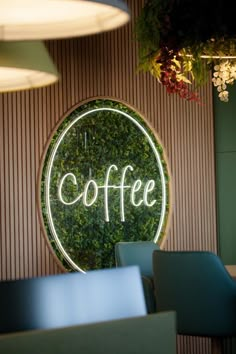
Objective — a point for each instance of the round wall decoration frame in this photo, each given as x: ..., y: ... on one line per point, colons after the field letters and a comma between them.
x: 104, y: 179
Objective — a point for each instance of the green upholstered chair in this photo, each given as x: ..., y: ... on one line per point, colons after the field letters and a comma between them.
x: 71, y: 299
x: 139, y: 253
x: 198, y: 287
x: 153, y: 334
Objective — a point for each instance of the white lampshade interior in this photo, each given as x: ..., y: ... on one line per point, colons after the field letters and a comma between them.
x: 46, y: 19
x: 25, y: 65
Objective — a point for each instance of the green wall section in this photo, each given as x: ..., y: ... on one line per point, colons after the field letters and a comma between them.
x: 225, y: 147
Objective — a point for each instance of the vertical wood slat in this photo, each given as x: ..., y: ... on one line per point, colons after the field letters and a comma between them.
x: 103, y: 65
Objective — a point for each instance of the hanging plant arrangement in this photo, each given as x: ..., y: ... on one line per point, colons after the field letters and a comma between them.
x: 181, y: 42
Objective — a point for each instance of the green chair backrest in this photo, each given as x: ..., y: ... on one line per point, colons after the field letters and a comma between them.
x: 153, y: 334
x: 198, y: 287
x: 136, y: 253
x: 139, y: 253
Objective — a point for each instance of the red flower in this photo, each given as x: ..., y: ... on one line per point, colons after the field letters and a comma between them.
x: 169, y: 78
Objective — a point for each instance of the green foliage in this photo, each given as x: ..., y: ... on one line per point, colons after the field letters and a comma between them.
x: 90, y: 146
x: 189, y: 31
x: 147, y: 32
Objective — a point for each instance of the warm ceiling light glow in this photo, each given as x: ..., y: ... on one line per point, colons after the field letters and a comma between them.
x: 25, y: 65
x: 47, y: 19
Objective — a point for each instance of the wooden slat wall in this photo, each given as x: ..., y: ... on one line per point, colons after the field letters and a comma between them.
x: 103, y: 65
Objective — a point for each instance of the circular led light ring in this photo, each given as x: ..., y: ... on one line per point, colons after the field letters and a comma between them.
x: 204, y: 56
x: 49, y: 170
x: 218, y: 56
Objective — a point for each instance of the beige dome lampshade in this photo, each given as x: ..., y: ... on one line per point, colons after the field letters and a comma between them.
x: 48, y: 19
x: 25, y: 65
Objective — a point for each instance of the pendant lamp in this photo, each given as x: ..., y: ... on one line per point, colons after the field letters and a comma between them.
x: 48, y: 19
x: 25, y: 65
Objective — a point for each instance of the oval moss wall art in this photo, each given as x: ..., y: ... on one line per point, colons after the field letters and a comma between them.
x: 104, y: 180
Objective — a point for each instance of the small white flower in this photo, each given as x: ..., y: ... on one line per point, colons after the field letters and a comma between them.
x: 224, y: 96
x: 233, y: 75
x: 233, y: 71
x: 223, y: 68
x: 230, y: 81
x: 225, y: 75
x: 219, y: 81
x: 233, y: 68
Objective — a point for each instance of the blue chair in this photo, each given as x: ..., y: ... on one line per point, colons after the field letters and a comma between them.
x: 71, y: 299
x: 197, y: 286
x: 139, y: 253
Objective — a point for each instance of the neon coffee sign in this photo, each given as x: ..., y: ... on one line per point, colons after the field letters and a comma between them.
x: 104, y: 181
x: 135, y: 187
